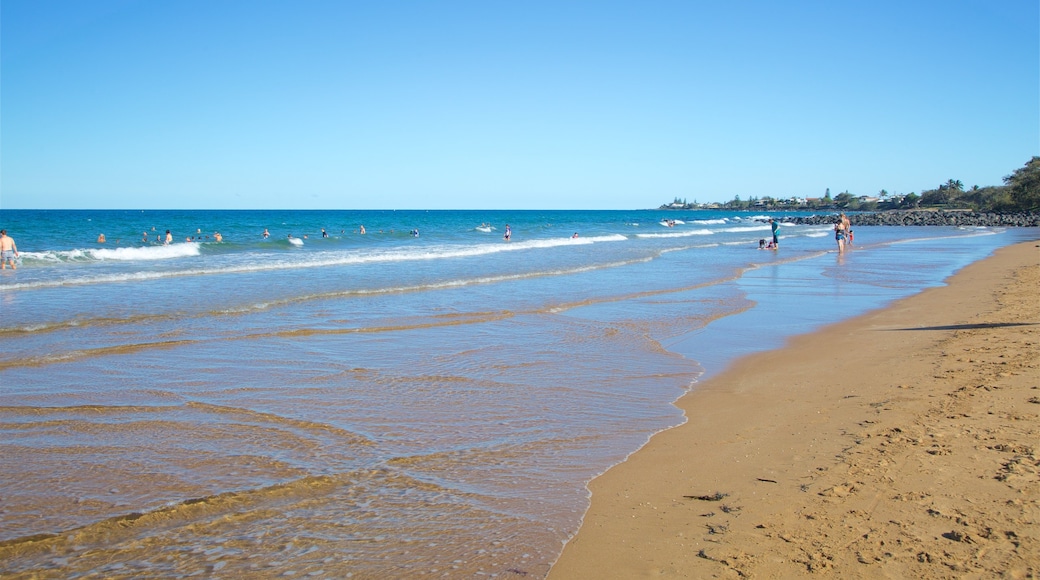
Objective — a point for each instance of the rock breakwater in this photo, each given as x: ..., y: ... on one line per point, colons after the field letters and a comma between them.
x: 926, y: 218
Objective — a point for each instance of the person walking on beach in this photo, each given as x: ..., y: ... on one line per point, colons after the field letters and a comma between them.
x: 8, y: 251
x: 839, y: 235
x: 776, y: 233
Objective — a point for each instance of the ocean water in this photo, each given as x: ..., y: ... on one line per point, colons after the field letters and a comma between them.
x: 386, y: 404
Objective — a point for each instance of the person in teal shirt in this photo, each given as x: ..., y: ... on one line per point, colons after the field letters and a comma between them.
x: 776, y: 230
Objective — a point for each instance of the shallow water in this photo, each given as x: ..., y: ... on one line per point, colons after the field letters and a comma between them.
x: 379, y: 405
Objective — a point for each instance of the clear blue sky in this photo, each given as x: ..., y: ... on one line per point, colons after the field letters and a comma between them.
x: 482, y: 104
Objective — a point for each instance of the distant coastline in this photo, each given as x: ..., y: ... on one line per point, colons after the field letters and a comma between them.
x: 1020, y: 193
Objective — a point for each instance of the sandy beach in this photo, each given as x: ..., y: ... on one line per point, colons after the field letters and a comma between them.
x: 899, y: 444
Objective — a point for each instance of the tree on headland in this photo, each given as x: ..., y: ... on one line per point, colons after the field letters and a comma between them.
x: 940, y: 196
x: 737, y: 203
x: 949, y: 194
x: 1024, y: 186
x: 1020, y: 192
x: 844, y: 199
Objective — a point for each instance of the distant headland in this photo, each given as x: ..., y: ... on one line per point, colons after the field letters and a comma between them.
x: 1020, y: 194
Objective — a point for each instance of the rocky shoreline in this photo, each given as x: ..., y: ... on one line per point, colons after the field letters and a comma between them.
x: 926, y: 218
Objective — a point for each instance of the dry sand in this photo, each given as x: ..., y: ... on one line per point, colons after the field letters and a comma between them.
x: 900, y: 444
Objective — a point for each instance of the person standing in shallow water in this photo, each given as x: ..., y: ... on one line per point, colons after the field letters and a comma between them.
x: 839, y: 235
x: 776, y: 233
x: 8, y: 251
x: 847, y: 226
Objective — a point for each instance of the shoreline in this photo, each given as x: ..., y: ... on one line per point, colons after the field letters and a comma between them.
x: 824, y: 456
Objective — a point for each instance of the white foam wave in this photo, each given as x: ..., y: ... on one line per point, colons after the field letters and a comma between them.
x: 323, y: 259
x: 56, y: 257
x: 441, y: 252
x: 682, y: 234
x: 716, y: 222
x: 183, y: 250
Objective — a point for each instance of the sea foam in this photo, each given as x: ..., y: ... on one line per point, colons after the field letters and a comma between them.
x: 121, y: 254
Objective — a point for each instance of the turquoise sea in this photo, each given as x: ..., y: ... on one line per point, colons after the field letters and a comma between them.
x: 426, y: 399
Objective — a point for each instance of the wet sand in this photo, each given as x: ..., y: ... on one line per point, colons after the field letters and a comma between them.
x: 899, y: 444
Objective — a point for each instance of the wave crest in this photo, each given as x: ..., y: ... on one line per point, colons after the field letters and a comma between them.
x: 172, y: 251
